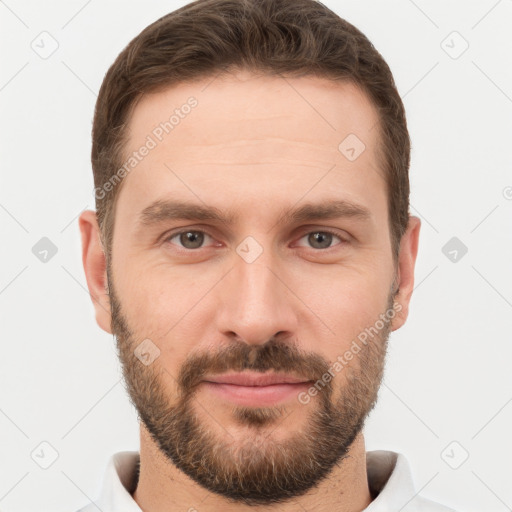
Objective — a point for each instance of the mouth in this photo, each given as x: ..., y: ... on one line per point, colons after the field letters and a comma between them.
x: 256, y: 389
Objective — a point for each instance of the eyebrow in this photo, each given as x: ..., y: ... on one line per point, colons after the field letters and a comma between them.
x: 162, y: 210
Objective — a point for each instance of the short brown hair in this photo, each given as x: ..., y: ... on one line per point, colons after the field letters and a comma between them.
x: 276, y: 37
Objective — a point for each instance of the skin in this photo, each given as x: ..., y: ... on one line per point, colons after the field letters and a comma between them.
x: 254, y: 147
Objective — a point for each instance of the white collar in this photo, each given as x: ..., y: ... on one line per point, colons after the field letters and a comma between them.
x: 389, y: 479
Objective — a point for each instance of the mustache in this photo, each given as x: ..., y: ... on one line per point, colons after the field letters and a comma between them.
x: 274, y: 355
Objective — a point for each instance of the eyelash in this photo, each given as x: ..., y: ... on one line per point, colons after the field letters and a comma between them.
x: 168, y: 238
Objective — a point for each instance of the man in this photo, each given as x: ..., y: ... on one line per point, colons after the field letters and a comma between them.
x: 251, y: 251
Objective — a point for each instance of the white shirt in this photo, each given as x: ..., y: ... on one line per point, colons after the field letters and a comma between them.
x: 389, y: 479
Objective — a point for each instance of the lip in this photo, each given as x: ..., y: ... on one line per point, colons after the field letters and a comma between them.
x: 253, y: 389
x: 255, y: 379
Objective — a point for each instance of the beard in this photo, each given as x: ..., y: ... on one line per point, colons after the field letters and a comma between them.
x: 255, y: 468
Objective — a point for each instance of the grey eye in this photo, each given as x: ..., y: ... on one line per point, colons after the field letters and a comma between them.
x: 321, y: 239
x: 190, y: 239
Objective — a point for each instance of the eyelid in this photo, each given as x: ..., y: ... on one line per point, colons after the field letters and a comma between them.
x: 331, y: 231
x: 306, y: 230
x: 166, y: 237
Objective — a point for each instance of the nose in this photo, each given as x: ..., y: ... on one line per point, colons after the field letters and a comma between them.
x: 255, y: 302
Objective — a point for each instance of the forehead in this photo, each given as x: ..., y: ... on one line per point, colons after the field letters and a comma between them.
x: 245, y: 133
x: 245, y: 104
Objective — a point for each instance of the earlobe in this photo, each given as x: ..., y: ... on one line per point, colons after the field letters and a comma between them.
x: 94, y: 262
x: 405, y: 271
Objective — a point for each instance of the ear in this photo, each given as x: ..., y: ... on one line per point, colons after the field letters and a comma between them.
x: 405, y: 270
x: 95, y: 267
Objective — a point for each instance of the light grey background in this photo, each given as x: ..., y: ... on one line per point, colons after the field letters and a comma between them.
x: 448, y: 377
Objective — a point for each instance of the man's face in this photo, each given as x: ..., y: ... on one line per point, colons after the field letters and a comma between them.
x: 262, y: 290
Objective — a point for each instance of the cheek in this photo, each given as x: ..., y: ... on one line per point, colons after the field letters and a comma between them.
x: 147, y: 299
x: 347, y: 300
x: 166, y: 305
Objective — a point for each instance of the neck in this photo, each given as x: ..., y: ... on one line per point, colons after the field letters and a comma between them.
x: 164, y: 488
